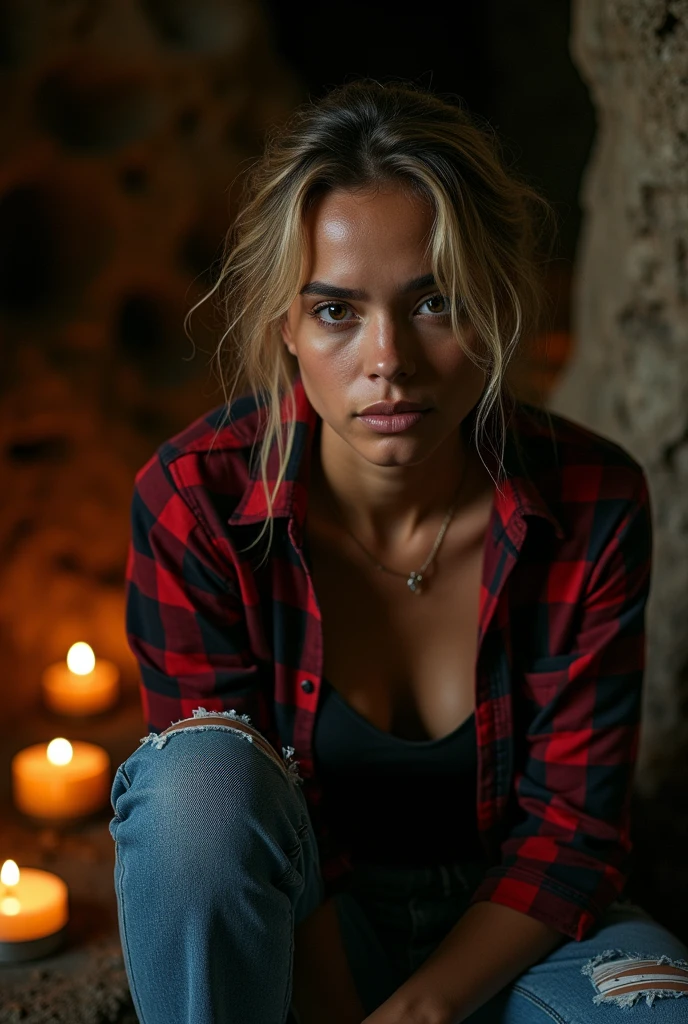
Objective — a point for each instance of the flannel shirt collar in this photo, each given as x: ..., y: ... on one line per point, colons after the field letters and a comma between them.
x: 517, y: 495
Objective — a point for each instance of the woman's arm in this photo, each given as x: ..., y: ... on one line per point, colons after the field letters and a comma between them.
x: 324, y: 989
x: 185, y: 619
x: 489, y: 946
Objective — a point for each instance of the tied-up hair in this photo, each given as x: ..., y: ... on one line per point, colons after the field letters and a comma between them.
x: 487, y: 227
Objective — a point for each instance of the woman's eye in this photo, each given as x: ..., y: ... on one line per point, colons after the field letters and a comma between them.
x: 331, y: 312
x: 436, y: 304
x: 340, y: 312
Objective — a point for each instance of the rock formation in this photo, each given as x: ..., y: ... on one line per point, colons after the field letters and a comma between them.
x: 628, y: 375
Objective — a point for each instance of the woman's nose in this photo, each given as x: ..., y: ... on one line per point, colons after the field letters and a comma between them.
x: 388, y: 348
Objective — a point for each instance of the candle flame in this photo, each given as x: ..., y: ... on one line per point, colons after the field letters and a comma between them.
x: 59, y: 751
x: 80, y: 659
x: 9, y: 875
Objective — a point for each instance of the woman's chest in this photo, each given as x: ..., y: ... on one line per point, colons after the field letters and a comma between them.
x: 404, y: 661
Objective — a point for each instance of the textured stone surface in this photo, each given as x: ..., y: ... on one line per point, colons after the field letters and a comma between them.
x: 628, y: 377
x: 53, y: 995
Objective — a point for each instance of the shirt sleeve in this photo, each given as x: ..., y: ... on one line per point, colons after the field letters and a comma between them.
x: 185, y: 619
x: 568, y: 857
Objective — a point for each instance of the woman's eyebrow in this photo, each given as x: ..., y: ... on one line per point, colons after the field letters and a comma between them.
x: 335, y: 292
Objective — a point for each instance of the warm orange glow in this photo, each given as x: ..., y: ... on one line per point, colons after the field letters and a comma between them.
x: 37, y: 907
x: 81, y: 685
x: 59, y: 751
x: 9, y: 874
x: 60, y: 779
x: 80, y: 659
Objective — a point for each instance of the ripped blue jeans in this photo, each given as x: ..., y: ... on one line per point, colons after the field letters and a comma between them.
x: 216, y: 863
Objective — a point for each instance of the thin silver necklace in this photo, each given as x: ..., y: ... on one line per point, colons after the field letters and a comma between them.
x: 415, y: 577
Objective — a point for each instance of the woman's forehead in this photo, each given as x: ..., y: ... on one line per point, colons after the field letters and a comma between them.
x: 388, y: 224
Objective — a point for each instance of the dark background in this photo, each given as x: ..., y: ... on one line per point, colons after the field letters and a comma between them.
x: 508, y: 59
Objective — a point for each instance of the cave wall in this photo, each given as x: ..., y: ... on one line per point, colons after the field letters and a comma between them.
x: 628, y: 374
x: 124, y: 125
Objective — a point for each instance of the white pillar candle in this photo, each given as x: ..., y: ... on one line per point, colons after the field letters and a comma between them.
x: 33, y: 912
x: 81, y: 685
x: 60, y: 779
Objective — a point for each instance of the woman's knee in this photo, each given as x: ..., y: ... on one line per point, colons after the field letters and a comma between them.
x: 196, y: 784
x: 230, y: 720
x: 641, y: 962
x: 629, y: 961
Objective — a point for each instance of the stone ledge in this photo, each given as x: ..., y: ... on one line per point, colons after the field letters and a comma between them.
x: 82, y: 986
x: 85, y: 981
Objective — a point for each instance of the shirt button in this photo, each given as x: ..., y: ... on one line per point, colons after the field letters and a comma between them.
x: 307, y: 686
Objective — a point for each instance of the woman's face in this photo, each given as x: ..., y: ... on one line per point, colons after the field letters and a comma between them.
x: 370, y: 325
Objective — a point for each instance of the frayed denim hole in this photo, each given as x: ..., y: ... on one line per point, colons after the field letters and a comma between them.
x: 290, y: 764
x: 595, y: 970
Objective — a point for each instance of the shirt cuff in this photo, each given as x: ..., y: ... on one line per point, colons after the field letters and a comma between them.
x: 559, y: 907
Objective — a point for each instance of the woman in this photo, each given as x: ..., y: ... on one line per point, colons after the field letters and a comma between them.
x: 444, y: 636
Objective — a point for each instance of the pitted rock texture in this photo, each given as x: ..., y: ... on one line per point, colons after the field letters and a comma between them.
x: 124, y: 126
x: 41, y: 995
x: 628, y: 375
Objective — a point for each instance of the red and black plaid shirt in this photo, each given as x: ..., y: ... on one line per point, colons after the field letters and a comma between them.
x: 561, y: 639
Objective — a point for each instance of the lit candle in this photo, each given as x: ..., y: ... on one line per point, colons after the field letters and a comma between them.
x: 83, y: 685
x: 61, y: 779
x: 33, y: 912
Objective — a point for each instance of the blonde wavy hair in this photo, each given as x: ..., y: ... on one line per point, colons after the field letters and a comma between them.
x: 484, y: 246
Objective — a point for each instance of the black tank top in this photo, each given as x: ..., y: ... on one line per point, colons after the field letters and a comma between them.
x: 395, y: 801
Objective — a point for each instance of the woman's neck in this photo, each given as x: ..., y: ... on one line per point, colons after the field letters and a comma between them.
x: 390, y: 509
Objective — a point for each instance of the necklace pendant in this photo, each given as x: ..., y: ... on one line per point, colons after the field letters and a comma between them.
x: 413, y: 582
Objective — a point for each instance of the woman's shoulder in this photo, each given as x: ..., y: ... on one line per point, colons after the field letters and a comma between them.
x: 588, y: 481
x: 551, y: 442
x: 208, y: 462
x: 552, y: 435
x: 224, y: 428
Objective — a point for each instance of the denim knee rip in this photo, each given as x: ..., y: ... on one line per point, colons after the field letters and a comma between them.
x: 623, y: 978
x: 158, y: 740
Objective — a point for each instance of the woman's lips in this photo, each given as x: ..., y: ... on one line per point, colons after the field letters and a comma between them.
x: 395, y: 423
